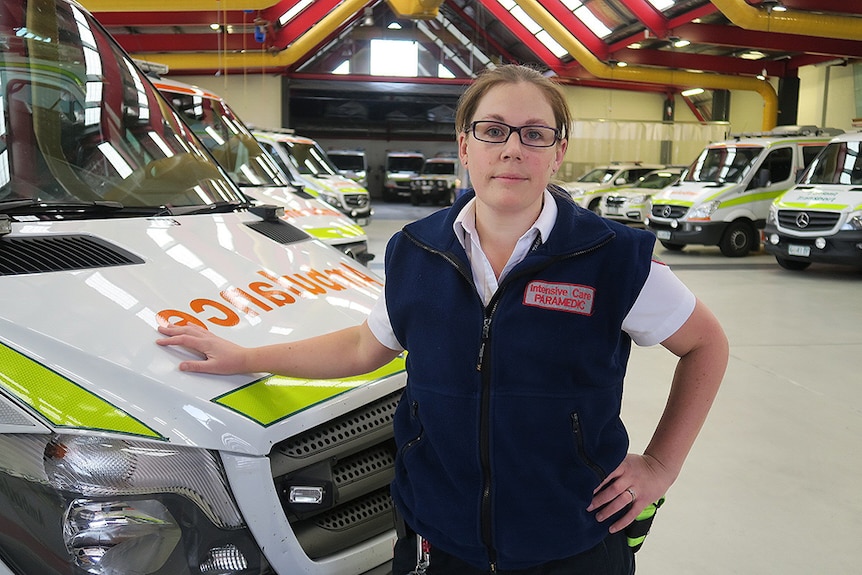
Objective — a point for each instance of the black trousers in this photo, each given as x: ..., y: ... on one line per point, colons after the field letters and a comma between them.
x: 613, y: 556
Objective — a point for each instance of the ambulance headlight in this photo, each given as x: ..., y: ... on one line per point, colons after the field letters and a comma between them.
x: 772, y: 216
x: 109, y: 506
x: 704, y: 211
x: 820, y: 243
x: 330, y: 198
x: 854, y: 222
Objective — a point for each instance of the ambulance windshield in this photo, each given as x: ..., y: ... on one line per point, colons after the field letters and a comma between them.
x: 81, y: 124
x: 838, y: 163
x: 724, y: 164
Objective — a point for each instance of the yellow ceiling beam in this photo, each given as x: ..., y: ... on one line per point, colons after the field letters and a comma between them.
x: 250, y: 60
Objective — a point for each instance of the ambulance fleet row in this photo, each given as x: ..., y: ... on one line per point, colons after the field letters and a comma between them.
x: 798, y: 189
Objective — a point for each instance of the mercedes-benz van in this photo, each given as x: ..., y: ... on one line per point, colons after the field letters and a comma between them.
x: 114, y: 219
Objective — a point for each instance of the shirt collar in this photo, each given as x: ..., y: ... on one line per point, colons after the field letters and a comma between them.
x: 465, y: 221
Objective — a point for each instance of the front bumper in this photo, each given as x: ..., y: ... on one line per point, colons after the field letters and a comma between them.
x: 702, y: 233
x: 843, y: 248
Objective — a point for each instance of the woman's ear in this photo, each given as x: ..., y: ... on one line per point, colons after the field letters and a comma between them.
x: 462, y: 147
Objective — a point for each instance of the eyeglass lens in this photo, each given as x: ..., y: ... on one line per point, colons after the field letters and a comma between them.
x: 498, y: 133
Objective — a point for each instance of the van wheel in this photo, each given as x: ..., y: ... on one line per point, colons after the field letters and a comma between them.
x: 793, y: 265
x: 595, y: 205
x: 672, y: 247
x: 738, y: 240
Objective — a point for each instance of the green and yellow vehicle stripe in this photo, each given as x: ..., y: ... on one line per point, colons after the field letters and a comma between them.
x: 273, y: 398
x: 61, y: 401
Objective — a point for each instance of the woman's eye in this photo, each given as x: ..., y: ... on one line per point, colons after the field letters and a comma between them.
x: 494, y: 132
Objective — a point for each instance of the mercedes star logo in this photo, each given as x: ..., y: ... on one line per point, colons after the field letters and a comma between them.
x: 802, y: 220
x: 665, y: 212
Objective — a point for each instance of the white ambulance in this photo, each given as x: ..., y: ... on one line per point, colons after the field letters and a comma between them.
x: 115, y: 219
x: 725, y: 195
x: 235, y: 149
x: 820, y: 219
x: 308, y: 166
x: 589, y: 190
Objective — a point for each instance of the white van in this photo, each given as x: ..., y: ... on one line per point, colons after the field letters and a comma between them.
x: 114, y: 219
x: 725, y: 195
x: 400, y: 168
x: 308, y: 166
x: 351, y: 164
x: 820, y: 219
x: 589, y: 190
x: 235, y: 149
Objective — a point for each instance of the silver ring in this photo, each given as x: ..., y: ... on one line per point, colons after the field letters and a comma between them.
x: 632, y: 493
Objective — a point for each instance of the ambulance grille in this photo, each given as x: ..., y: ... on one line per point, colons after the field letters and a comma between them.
x: 353, y: 458
x: 41, y: 254
x: 809, y: 221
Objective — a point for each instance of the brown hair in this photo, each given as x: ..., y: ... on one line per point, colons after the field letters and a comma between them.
x: 512, y: 74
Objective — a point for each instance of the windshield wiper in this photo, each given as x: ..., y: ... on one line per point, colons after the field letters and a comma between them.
x: 42, y: 206
x: 216, y: 208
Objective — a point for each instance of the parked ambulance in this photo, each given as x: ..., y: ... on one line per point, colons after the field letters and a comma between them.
x: 589, y: 190
x: 114, y: 219
x: 235, y: 149
x: 820, y: 219
x: 308, y: 166
x: 725, y: 195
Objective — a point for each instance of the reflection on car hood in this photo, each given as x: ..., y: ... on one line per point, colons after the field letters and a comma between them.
x: 77, y: 344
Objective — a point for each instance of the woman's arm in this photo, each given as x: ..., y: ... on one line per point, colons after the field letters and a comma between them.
x: 343, y: 353
x: 702, y: 348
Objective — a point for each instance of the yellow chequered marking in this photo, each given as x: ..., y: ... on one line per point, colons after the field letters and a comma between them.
x: 60, y: 400
x: 274, y: 398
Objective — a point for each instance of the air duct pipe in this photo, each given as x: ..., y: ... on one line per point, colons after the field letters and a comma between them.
x: 790, y: 22
x: 646, y: 75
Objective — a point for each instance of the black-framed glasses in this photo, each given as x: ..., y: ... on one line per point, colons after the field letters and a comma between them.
x: 498, y: 133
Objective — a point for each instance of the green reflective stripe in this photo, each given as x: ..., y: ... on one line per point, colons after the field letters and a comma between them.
x: 334, y: 233
x: 61, y: 401
x: 750, y: 198
x: 809, y: 206
x: 636, y: 541
x: 274, y: 398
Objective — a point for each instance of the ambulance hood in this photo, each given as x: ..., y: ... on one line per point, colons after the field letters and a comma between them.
x: 313, y: 216
x: 822, y: 197
x: 334, y: 183
x: 80, y: 308
x: 688, y: 193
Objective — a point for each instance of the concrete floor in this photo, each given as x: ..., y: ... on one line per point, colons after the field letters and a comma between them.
x: 772, y: 485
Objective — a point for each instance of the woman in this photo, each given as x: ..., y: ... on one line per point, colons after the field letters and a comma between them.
x: 517, y: 309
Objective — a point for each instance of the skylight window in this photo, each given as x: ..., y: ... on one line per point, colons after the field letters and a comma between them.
x: 394, y: 58
x: 296, y: 9
x: 534, y: 28
x: 661, y: 4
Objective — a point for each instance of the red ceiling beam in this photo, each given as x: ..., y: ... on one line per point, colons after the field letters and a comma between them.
x: 736, y: 37
x: 137, y: 43
x: 578, y: 29
x: 654, y: 20
x: 510, y: 22
x: 192, y: 18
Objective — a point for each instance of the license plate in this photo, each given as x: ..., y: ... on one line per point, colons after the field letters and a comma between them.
x: 613, y: 210
x: 802, y: 251
x: 662, y: 234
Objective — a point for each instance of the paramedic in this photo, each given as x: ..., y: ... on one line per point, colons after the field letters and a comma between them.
x: 517, y: 309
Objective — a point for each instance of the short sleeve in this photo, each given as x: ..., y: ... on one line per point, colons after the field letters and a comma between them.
x: 664, y: 304
x: 380, y: 326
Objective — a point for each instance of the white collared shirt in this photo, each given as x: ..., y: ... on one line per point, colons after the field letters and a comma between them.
x: 662, y: 306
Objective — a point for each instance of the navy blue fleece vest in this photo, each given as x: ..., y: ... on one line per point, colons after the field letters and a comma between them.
x: 510, y: 418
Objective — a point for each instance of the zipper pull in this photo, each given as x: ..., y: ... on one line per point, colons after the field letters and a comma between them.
x: 486, y: 328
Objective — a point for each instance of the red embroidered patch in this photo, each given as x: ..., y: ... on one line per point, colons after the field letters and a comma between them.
x: 572, y: 298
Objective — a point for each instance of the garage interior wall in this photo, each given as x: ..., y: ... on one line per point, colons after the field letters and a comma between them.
x: 826, y: 98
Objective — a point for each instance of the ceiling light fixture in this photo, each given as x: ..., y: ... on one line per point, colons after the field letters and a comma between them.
x: 762, y: 75
x: 773, y: 6
x: 691, y: 92
x: 678, y: 42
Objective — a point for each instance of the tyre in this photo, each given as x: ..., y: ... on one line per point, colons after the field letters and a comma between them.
x: 595, y: 205
x: 739, y: 239
x: 793, y: 265
x: 672, y: 247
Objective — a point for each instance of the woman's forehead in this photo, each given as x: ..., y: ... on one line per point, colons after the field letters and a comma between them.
x: 522, y: 101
